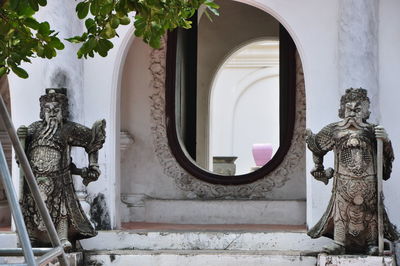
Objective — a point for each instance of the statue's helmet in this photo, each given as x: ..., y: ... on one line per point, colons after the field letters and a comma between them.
x: 58, y: 95
x: 354, y: 95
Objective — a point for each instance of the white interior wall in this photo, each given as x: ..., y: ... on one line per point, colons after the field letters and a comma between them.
x: 141, y: 173
x: 244, y: 113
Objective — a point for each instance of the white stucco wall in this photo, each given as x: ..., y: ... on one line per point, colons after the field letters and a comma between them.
x: 389, y: 69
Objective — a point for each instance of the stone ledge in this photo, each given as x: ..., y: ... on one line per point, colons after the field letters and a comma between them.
x: 196, y: 258
x: 355, y: 260
x: 207, y: 240
x: 75, y: 259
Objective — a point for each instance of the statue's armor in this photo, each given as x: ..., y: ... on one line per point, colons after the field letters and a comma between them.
x: 50, y: 161
x: 351, y: 217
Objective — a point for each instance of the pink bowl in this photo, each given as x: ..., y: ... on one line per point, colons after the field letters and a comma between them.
x: 262, y: 153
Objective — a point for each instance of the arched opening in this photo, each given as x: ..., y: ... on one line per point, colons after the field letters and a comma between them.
x: 146, y: 165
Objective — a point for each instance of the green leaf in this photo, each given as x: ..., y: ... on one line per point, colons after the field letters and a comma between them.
x: 40, y: 50
x: 42, y: 2
x: 49, y: 52
x: 109, y: 31
x: 34, y: 4
x: 106, y: 9
x: 82, y: 9
x: 124, y: 20
x: 56, y: 43
x: 94, y: 7
x: 24, y: 8
x: 102, y: 48
x: 105, y: 44
x: 155, y: 41
x: 32, y: 23
x: 44, y: 28
x: 14, y: 4
x: 211, y: 4
x: 20, y: 72
x: 114, y: 22
x: 89, y: 23
x: 92, y: 43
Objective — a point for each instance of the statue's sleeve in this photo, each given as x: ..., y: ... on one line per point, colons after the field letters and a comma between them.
x: 322, y: 142
x: 388, y: 157
x: 92, y: 139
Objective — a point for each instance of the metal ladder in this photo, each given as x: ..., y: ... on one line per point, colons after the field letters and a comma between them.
x: 46, y: 254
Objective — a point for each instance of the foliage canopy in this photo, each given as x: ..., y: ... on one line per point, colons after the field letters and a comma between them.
x: 22, y: 37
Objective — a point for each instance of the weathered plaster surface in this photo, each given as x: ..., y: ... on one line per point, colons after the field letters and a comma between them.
x: 225, y: 211
x: 358, y: 49
x: 197, y: 258
x: 353, y: 260
x: 207, y: 240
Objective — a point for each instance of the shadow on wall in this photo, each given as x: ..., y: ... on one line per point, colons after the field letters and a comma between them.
x: 99, y: 214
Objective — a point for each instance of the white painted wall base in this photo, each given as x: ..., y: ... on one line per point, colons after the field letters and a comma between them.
x: 292, y: 212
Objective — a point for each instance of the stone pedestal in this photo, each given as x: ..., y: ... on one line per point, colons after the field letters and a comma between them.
x: 224, y: 165
x: 355, y: 260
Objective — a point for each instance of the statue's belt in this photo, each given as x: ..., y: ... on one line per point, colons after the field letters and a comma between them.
x: 53, y: 174
x: 367, y: 177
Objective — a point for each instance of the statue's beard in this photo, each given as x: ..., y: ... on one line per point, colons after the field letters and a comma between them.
x: 356, y: 122
x: 51, y: 128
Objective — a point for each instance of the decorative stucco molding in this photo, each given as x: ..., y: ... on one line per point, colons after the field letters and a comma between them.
x: 195, y: 188
x: 126, y: 140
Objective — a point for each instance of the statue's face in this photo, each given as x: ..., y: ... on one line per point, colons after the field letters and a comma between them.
x: 52, y: 111
x: 356, y: 109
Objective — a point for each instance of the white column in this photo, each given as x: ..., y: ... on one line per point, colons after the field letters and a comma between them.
x: 358, y: 49
x: 65, y: 70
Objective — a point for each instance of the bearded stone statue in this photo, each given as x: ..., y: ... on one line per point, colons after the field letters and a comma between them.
x: 48, y: 145
x: 351, y: 217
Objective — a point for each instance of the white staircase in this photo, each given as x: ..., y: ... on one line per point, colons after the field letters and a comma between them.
x: 207, y: 246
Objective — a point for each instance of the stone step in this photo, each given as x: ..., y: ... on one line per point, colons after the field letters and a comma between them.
x: 228, y: 257
x: 196, y: 258
x: 211, y: 248
x: 204, y: 240
x: 74, y: 259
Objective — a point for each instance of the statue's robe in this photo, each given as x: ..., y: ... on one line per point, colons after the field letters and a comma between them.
x: 50, y: 159
x: 354, y: 194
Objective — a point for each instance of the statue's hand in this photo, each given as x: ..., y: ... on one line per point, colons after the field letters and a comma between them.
x: 322, y: 175
x: 22, y: 132
x: 381, y: 133
x: 92, y: 174
x: 308, y: 133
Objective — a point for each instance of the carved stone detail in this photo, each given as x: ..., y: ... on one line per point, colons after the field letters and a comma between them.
x: 196, y: 188
x: 126, y: 140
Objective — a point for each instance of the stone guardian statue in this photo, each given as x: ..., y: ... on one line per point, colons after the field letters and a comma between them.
x: 351, y: 217
x: 48, y: 145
